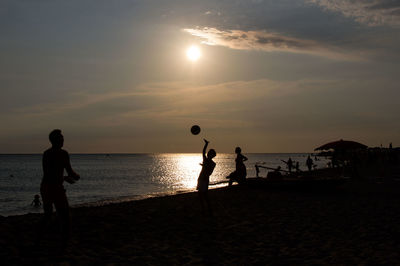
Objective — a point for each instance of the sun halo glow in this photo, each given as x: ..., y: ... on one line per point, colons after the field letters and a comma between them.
x: 193, y: 53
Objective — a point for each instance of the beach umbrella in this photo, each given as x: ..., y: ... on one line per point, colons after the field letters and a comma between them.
x: 342, y: 145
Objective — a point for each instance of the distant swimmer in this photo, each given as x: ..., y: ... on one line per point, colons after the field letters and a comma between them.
x: 207, y: 169
x: 36, y: 201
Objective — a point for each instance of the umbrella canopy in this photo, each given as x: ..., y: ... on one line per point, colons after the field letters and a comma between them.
x: 342, y: 145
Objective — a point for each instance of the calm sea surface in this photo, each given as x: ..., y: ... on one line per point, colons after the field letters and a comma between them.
x: 120, y: 177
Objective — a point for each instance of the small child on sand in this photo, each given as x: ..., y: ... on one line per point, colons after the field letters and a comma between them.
x: 36, y: 201
x: 208, y: 166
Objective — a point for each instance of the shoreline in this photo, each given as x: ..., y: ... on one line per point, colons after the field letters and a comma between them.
x: 122, y: 199
x: 355, y: 224
x: 115, y: 201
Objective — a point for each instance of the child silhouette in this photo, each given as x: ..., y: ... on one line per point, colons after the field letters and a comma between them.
x: 36, y: 201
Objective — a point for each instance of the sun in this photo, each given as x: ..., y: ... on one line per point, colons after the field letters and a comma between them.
x: 193, y: 53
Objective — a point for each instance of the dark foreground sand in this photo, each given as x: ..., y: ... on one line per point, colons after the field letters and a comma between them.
x: 355, y: 224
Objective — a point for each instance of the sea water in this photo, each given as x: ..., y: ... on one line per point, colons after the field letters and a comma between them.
x: 120, y: 177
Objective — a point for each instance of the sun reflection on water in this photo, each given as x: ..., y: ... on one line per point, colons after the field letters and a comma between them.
x: 177, y: 171
x: 189, y: 166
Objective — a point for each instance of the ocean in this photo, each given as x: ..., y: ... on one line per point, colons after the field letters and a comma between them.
x: 107, y: 178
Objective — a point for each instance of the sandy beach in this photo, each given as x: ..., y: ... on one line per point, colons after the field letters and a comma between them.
x: 358, y: 223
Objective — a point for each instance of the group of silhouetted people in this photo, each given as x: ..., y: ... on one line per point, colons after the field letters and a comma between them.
x: 208, y: 165
x: 55, y: 160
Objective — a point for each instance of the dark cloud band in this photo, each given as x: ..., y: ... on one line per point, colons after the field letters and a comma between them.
x: 372, y: 13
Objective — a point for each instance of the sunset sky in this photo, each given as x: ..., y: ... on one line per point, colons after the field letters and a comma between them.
x: 271, y: 76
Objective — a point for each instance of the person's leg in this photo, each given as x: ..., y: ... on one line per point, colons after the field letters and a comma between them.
x: 47, y: 199
x: 232, y: 177
x: 45, y: 222
x: 62, y: 208
x: 47, y: 210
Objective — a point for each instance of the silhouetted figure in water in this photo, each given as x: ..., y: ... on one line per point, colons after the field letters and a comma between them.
x: 208, y: 166
x: 297, y: 167
x: 257, y: 170
x: 239, y: 175
x: 290, y: 164
x: 55, y: 160
x: 309, y: 163
x: 36, y: 201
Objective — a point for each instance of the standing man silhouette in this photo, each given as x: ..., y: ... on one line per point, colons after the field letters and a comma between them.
x: 55, y: 160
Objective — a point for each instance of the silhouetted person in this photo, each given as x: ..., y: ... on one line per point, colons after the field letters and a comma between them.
x: 208, y: 166
x: 55, y: 160
x: 257, y: 170
x: 239, y: 175
x: 334, y: 160
x: 290, y: 164
x: 309, y: 163
x: 36, y: 201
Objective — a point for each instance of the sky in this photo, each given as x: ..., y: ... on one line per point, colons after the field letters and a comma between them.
x: 273, y: 76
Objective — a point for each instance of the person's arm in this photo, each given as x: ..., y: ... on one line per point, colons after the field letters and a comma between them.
x: 69, y: 168
x: 244, y: 158
x: 205, y: 148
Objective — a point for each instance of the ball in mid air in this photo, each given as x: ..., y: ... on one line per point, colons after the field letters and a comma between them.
x: 195, y: 130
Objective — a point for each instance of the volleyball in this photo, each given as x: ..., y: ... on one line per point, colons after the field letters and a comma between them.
x: 195, y: 130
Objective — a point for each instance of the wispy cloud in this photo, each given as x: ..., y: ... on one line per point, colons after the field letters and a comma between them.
x: 370, y: 12
x: 266, y: 41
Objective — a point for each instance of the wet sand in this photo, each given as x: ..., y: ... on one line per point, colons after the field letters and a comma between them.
x: 358, y: 223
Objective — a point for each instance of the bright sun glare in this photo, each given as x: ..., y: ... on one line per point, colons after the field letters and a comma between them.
x: 193, y: 53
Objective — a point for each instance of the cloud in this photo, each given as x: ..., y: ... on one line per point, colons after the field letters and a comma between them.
x: 266, y: 41
x: 369, y: 12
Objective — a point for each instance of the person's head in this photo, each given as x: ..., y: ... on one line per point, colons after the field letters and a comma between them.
x: 56, y: 138
x: 37, y: 196
x: 238, y: 150
x: 211, y: 153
